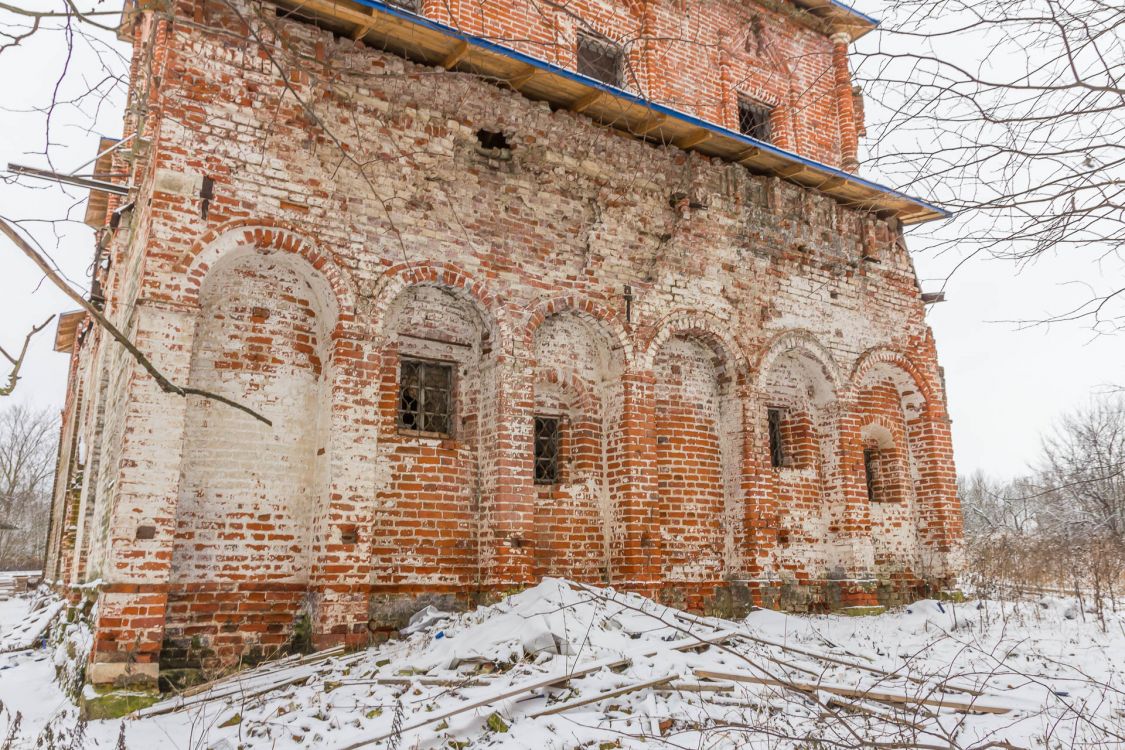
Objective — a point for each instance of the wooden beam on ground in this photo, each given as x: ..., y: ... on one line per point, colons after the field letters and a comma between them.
x: 584, y: 700
x: 882, y: 696
x: 696, y: 687
x: 457, y: 55
x: 547, y: 681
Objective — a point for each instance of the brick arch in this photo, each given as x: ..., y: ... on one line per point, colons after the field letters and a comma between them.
x: 806, y: 343
x: 703, y: 327
x: 603, y: 319
x: 882, y: 427
x: 588, y: 401
x: 264, y: 236
x: 397, y: 279
x: 912, y: 384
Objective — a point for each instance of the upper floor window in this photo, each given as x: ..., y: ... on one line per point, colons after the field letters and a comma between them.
x: 599, y: 58
x: 754, y: 119
x: 425, y: 396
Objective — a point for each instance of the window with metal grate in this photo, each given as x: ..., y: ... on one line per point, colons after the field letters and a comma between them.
x: 546, y: 450
x: 425, y: 396
x: 754, y: 119
x: 599, y: 58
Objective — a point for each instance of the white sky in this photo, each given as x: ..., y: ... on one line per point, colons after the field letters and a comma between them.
x: 1005, y: 385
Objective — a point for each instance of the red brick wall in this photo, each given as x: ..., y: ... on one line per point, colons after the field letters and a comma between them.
x: 428, y: 488
x: 690, y: 399
x: 694, y: 56
x: 564, y: 279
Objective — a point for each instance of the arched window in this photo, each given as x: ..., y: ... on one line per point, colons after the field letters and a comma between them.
x: 880, y: 464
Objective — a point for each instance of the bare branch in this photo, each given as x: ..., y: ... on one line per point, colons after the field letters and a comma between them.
x: 17, y: 361
x: 165, y: 385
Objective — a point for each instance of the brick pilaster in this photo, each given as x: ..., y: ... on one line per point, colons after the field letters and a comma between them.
x: 845, y: 105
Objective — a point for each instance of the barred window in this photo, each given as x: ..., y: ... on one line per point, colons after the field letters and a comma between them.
x: 546, y: 450
x: 754, y: 119
x: 425, y: 396
x: 777, y: 447
x: 600, y: 58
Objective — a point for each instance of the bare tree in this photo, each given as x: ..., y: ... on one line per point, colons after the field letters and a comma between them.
x: 1011, y: 112
x: 1083, y: 470
x: 991, y: 506
x: 28, y: 447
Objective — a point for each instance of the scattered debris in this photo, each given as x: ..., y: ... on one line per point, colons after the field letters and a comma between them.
x: 622, y: 671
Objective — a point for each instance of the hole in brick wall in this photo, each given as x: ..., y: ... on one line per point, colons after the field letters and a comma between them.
x: 146, y: 532
x: 349, y: 535
x: 493, y: 144
x: 492, y: 139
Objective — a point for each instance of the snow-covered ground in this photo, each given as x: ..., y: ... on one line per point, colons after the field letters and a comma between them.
x: 496, y: 678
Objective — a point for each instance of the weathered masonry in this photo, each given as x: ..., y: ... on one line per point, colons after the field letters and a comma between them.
x: 524, y: 290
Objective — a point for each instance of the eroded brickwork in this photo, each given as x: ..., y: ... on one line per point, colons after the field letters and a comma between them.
x: 352, y: 223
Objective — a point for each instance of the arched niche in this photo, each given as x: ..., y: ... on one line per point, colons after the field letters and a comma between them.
x: 699, y: 431
x: 438, y: 415
x: 891, y: 408
x: 797, y: 458
x: 578, y: 403
x: 248, y: 492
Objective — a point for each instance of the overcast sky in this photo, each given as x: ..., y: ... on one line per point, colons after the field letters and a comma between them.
x: 1005, y: 385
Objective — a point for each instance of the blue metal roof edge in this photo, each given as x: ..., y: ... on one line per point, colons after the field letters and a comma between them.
x: 653, y: 106
x: 858, y: 14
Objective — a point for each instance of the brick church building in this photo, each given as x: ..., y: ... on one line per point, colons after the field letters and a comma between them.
x: 506, y: 290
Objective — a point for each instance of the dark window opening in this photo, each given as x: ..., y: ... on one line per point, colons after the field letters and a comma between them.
x: 492, y: 139
x: 425, y: 396
x: 546, y: 450
x: 871, y: 472
x: 777, y: 448
x: 754, y: 119
x: 600, y: 59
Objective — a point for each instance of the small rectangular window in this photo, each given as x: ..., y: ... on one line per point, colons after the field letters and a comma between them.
x: 871, y: 472
x: 425, y: 396
x: 546, y: 450
x: 754, y: 119
x: 777, y: 448
x: 600, y: 59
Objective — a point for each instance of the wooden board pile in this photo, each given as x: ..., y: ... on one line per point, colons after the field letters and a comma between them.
x: 567, y: 655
